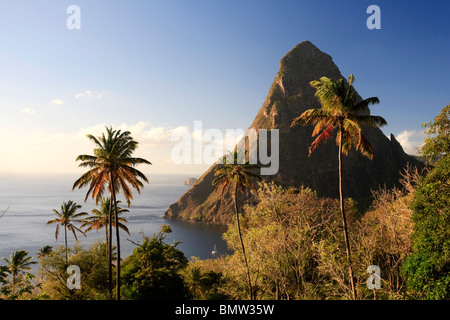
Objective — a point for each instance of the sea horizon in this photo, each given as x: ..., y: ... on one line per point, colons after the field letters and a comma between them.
x: 30, y: 198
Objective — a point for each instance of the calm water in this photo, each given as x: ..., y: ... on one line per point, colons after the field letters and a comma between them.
x: 31, y: 200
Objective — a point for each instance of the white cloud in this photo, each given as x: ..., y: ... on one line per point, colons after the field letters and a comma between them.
x: 159, y: 137
x: 57, y: 101
x: 42, y: 151
x: 27, y: 111
x: 410, y: 140
x: 89, y: 95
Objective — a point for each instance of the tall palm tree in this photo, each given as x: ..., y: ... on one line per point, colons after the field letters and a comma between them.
x: 100, y: 218
x: 237, y: 176
x: 113, y: 167
x: 65, y: 218
x: 340, y: 111
x: 18, y: 265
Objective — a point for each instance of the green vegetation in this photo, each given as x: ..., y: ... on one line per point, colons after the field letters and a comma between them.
x: 65, y: 218
x: 437, y: 143
x: 203, y: 285
x: 152, y: 271
x: 428, y: 267
x: 94, y: 271
x: 14, y: 275
x: 294, y: 241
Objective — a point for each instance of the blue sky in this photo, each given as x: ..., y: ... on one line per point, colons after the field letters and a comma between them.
x: 154, y: 66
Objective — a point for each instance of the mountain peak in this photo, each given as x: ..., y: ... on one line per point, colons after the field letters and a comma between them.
x: 303, y: 49
x: 301, y: 65
x: 289, y: 95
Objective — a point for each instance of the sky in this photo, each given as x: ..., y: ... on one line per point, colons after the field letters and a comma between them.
x: 156, y: 67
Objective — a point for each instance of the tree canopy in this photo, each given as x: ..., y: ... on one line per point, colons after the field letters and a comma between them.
x: 438, y: 141
x: 428, y: 267
x: 151, y: 271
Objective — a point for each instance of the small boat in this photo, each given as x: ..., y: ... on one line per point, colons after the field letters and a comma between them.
x: 215, y: 250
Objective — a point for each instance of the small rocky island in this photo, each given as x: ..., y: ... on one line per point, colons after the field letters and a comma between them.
x: 190, y: 181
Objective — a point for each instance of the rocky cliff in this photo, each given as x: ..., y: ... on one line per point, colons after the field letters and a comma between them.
x: 290, y: 94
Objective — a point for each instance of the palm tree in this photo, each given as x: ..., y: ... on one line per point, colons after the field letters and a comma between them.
x: 3, y: 274
x: 44, y: 251
x: 237, y: 176
x: 100, y: 218
x: 66, y: 218
x: 113, y: 167
x: 340, y: 111
x: 195, y: 277
x: 18, y: 264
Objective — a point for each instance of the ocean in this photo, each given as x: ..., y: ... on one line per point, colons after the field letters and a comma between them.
x: 30, y: 200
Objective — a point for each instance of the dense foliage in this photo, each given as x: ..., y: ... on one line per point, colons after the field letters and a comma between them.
x: 295, y: 241
x: 428, y: 268
x: 93, y: 266
x: 16, y: 281
x: 438, y: 141
x: 152, y: 271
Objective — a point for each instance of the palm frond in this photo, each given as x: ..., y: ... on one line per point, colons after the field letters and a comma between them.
x: 322, y: 124
x: 365, y: 147
x: 311, y: 116
x: 57, y: 231
x: 126, y: 190
x: 374, y: 121
x: 219, y: 179
x: 78, y: 215
x: 321, y: 139
x: 352, y: 130
x: 347, y: 140
x: 365, y: 103
x: 124, y: 228
x: 329, y: 92
x: 94, y: 139
x: 134, y: 161
x: 132, y: 175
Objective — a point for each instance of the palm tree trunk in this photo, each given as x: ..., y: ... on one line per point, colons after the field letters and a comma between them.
x: 116, y: 222
x: 14, y: 281
x: 65, y: 238
x: 344, y: 220
x: 242, y: 244
x: 109, y: 241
